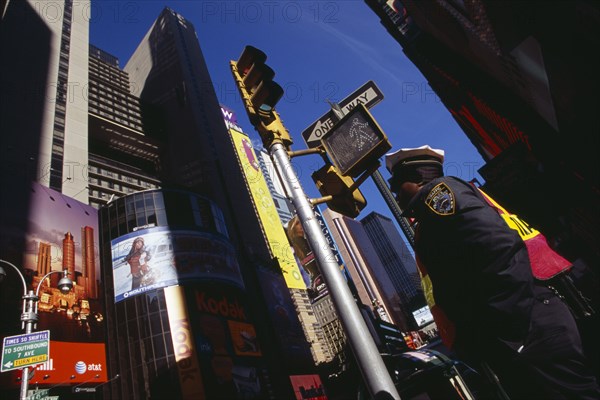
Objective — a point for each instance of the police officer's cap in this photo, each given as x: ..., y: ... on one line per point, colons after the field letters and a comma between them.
x: 410, y: 156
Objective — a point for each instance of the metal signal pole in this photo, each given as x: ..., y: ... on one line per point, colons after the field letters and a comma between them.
x: 372, y: 367
x: 260, y: 94
x: 394, y: 207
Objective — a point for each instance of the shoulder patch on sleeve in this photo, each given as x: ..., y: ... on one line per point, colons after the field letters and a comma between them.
x: 441, y: 200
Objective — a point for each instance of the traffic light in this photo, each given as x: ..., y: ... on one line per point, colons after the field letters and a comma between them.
x: 345, y: 196
x: 355, y: 142
x: 260, y: 94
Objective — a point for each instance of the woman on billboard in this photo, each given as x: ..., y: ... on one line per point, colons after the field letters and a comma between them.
x: 137, y: 259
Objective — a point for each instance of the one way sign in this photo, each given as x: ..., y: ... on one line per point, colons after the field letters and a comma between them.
x: 368, y: 94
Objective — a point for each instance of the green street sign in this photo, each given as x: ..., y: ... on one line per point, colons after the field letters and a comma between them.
x: 24, y: 350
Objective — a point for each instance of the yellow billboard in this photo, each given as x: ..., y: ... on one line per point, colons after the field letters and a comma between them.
x: 266, y: 211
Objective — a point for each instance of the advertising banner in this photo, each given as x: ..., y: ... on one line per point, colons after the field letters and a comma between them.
x: 308, y: 387
x: 228, y: 349
x: 157, y: 257
x: 266, y: 210
x: 186, y: 356
x: 284, y: 320
x: 316, y: 285
x: 73, y: 362
x: 423, y: 316
x: 58, y: 233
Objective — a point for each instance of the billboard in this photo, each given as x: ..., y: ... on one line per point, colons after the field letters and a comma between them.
x: 306, y: 258
x: 308, y: 387
x: 284, y: 319
x: 73, y: 362
x: 423, y: 316
x: 315, y: 282
x: 186, y: 356
x: 266, y: 210
x: 226, y: 342
x: 54, y: 233
x: 158, y: 257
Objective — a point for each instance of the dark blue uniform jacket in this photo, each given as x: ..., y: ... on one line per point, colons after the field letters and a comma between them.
x: 478, y: 266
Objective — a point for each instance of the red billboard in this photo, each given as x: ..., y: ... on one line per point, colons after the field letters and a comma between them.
x: 73, y: 362
x: 308, y: 387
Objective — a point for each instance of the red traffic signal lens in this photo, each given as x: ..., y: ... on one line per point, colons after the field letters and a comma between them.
x: 250, y: 56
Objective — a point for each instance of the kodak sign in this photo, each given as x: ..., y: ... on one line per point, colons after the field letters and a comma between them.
x: 190, y: 377
x: 221, y: 305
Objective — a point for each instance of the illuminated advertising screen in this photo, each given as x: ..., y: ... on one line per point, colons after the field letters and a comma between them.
x: 266, y: 210
x: 157, y: 257
x: 59, y: 233
x: 423, y: 316
x: 308, y: 387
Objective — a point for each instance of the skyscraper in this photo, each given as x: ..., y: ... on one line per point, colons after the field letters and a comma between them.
x: 68, y: 254
x: 162, y: 169
x: 212, y: 245
x: 373, y: 282
x: 88, y: 262
x: 43, y: 105
x: 393, y: 253
x: 167, y: 70
x: 43, y: 259
x: 124, y: 134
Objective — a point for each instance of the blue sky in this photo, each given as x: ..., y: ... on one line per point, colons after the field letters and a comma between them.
x: 320, y: 50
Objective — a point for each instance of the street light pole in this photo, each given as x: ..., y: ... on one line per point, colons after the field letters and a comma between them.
x: 29, y: 316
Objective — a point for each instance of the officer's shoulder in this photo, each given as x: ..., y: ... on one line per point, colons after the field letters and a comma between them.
x: 438, y: 196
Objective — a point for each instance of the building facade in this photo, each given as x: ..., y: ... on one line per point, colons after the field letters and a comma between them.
x: 167, y: 71
x: 191, y: 303
x: 154, y: 124
x: 393, y: 252
x: 124, y: 144
x: 43, y: 111
x: 373, y: 282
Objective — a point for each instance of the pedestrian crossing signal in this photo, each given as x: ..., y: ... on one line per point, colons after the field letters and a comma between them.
x: 355, y: 142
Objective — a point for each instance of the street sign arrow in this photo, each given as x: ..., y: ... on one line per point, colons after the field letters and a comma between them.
x: 368, y: 95
x: 22, y: 351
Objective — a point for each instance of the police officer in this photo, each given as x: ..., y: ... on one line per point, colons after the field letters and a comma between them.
x: 478, y: 281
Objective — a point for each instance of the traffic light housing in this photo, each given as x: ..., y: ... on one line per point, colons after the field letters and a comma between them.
x: 260, y: 93
x: 355, y: 142
x: 345, y: 196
